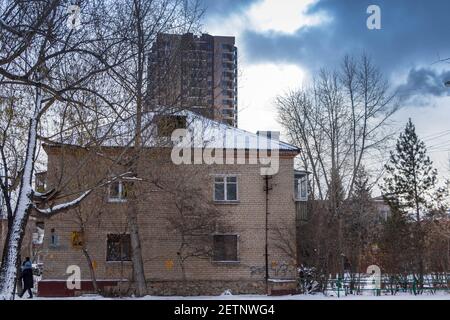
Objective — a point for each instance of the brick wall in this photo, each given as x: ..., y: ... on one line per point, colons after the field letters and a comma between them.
x: 160, y: 243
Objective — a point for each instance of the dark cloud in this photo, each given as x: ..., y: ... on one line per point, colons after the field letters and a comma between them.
x: 414, y: 32
x: 225, y: 7
x: 423, y: 83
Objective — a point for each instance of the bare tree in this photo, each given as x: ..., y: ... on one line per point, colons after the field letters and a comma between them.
x: 193, y: 221
x: 146, y: 20
x: 91, y: 82
x: 54, y: 64
x: 339, y: 121
x: 371, y: 105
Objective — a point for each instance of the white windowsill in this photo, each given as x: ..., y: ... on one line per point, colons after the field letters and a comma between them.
x: 227, y: 201
x: 113, y: 200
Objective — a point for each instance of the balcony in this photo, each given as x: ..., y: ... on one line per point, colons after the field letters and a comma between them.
x: 229, y: 83
x: 228, y: 65
x: 229, y: 72
x: 228, y: 57
x: 228, y: 88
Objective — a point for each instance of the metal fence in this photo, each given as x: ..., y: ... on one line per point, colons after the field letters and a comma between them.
x: 364, y: 284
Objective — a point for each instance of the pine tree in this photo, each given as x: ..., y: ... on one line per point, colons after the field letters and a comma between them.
x: 410, y: 187
x: 410, y: 181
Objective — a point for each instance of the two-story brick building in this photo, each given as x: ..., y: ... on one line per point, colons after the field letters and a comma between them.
x: 204, y: 228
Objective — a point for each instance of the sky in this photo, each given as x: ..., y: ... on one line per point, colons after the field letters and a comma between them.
x: 283, y: 43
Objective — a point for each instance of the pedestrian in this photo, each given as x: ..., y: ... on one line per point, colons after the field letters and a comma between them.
x: 27, y: 277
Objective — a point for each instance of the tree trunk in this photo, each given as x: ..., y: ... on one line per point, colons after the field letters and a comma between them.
x: 183, y: 269
x: 136, y: 250
x: 91, y: 269
x: 13, y: 243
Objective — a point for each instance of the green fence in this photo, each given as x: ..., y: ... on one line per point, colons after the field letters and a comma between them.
x: 389, y: 285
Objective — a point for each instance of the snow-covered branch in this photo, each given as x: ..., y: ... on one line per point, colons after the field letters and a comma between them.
x: 63, y: 206
x: 44, y: 196
x: 71, y: 204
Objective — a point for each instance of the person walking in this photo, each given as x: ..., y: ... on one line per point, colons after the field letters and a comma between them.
x: 27, y: 278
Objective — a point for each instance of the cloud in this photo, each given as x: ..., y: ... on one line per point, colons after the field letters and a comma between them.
x: 259, y: 84
x: 278, y: 51
x: 223, y: 8
x: 269, y: 15
x: 413, y: 32
x: 262, y: 16
x: 422, y: 84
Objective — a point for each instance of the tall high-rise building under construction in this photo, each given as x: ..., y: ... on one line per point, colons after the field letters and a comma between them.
x: 195, y: 72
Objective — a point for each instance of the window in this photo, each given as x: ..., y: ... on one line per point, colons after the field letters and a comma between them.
x: 40, y: 181
x: 118, y: 247
x: 229, y: 47
x: 225, y: 188
x: 301, y: 188
x: 118, y: 191
x: 225, y: 248
x: 227, y: 56
x: 38, y: 233
x: 54, y: 239
x: 384, y: 213
x: 228, y: 112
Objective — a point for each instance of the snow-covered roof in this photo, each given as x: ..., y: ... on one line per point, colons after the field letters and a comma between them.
x: 203, y: 132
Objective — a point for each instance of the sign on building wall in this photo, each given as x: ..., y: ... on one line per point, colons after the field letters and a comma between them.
x: 77, y: 239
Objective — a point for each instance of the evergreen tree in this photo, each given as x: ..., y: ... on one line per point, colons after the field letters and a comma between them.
x: 410, y: 181
x: 410, y: 188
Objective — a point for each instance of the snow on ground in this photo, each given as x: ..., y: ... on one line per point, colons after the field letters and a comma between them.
x: 438, y: 296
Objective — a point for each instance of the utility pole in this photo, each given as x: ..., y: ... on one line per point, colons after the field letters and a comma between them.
x: 267, y: 188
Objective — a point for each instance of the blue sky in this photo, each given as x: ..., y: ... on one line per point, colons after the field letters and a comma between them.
x: 282, y: 43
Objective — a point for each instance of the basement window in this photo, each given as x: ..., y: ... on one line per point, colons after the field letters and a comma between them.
x: 118, y: 247
x: 225, y: 248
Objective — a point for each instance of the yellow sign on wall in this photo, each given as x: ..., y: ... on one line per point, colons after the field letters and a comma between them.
x: 169, y: 264
x: 77, y: 239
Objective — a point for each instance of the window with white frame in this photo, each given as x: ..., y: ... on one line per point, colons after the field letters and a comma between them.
x: 117, y: 191
x: 301, y: 188
x: 225, y: 188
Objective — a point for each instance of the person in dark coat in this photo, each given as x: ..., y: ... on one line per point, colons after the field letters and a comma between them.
x: 27, y: 278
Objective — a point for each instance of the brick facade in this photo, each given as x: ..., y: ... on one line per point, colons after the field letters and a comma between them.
x: 160, y: 243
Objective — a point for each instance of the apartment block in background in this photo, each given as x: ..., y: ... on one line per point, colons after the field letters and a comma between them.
x: 195, y: 72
